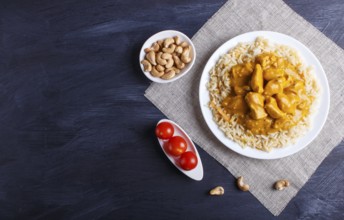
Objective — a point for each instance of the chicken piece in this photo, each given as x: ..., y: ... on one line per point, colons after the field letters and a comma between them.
x: 290, y: 70
x: 272, y: 108
x: 284, y: 123
x: 240, y: 75
x: 293, y: 98
x: 255, y: 102
x: 288, y: 81
x: 264, y: 60
x: 297, y: 88
x: 273, y: 58
x: 249, y: 67
x: 304, y: 104
x: 254, y: 98
x: 260, y: 126
x: 257, y: 81
x: 241, y: 90
x: 273, y: 87
x: 281, y: 63
x: 285, y: 104
x: 235, y: 105
x: 272, y: 73
x: 240, y: 70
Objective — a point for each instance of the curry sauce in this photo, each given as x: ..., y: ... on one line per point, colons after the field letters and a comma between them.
x: 267, y: 95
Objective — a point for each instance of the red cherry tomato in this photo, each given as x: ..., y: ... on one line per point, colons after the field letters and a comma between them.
x: 164, y: 130
x: 176, y: 146
x: 188, y: 160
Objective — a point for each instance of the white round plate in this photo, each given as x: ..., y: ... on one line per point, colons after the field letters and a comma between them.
x: 319, y: 117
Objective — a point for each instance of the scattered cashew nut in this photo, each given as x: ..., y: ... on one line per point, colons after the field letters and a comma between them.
x: 282, y: 184
x: 217, y: 191
x: 146, y: 65
x: 241, y: 185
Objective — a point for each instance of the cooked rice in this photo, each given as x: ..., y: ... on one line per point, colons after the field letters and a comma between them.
x: 219, y: 88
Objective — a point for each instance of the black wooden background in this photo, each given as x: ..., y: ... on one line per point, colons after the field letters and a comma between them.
x: 77, y: 134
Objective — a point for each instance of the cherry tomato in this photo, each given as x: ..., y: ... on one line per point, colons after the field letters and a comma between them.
x: 176, y: 146
x: 188, y: 160
x: 164, y: 130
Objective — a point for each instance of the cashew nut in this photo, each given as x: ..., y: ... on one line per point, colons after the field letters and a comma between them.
x: 169, y: 63
x: 175, y: 70
x: 241, y: 185
x: 186, y: 59
x: 166, y: 56
x: 217, y: 191
x: 161, y: 43
x: 156, y: 47
x: 151, y: 57
x: 186, y: 51
x: 184, y: 44
x: 159, y: 59
x: 179, y: 64
x: 176, y: 40
x: 282, y: 184
x: 169, y: 49
x: 146, y: 65
x: 168, y: 42
x: 160, y: 68
x: 156, y: 73
x: 186, y: 55
x: 168, y: 74
x: 179, y: 49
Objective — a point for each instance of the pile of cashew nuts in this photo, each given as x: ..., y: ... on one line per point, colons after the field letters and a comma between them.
x: 166, y: 58
x: 219, y: 190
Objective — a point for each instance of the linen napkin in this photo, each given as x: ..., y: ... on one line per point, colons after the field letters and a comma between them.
x: 234, y: 18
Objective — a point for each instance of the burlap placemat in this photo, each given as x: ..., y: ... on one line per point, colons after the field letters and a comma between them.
x: 179, y: 100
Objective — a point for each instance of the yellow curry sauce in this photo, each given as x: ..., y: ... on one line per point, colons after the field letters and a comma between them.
x: 267, y: 95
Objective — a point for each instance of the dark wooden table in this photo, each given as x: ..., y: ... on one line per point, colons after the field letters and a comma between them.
x: 76, y: 132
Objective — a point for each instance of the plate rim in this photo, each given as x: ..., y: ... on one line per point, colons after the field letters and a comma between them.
x: 324, y: 87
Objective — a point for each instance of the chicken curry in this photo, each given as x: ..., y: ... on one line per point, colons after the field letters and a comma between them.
x: 267, y: 95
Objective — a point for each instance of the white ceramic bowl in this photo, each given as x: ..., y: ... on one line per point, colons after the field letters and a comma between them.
x: 160, y: 36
